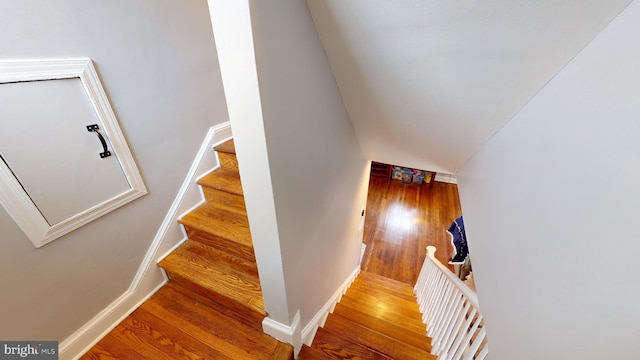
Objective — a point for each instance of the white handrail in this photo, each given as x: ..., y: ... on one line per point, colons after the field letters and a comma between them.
x: 451, y: 311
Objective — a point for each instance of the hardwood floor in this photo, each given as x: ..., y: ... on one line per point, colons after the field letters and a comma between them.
x: 401, y: 221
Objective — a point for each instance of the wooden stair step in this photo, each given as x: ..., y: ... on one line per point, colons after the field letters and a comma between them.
x: 385, y: 314
x: 338, y: 347
x: 218, y: 281
x: 226, y: 335
x: 395, y: 285
x: 227, y: 155
x: 250, y: 319
x: 220, y: 223
x: 387, y: 303
x: 213, y: 254
x: 358, y: 288
x: 225, y: 200
x: 229, y: 246
x: 222, y: 179
x: 228, y: 161
x: 375, y: 286
x: 395, y: 331
x: 227, y: 147
x: 374, y: 340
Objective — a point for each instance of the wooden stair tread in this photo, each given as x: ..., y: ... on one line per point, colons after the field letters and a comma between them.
x: 224, y: 179
x: 357, y: 289
x: 226, y: 147
x: 205, y: 276
x: 385, y: 314
x: 226, y: 335
x: 338, y: 347
x: 395, y: 285
x: 215, y: 255
x: 395, y: 331
x: 375, y: 288
x: 374, y: 340
x: 250, y: 319
x: 230, y: 246
x: 381, y: 288
x: 214, y: 220
x: 385, y: 303
x: 225, y: 200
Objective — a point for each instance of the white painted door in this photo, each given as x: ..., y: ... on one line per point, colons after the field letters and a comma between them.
x: 45, y: 143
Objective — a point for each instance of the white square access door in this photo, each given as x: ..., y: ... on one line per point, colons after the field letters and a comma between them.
x: 63, y: 159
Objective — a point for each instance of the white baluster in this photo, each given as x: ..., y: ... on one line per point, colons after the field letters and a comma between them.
x: 450, y: 309
x: 456, y: 308
x: 464, y: 344
x: 475, y: 345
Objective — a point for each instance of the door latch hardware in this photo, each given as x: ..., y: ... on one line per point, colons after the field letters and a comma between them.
x: 105, y: 151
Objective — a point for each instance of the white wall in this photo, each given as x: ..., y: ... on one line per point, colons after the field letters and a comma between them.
x: 551, y: 206
x: 157, y: 63
x: 318, y: 171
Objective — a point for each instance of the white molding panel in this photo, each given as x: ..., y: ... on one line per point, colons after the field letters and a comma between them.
x: 12, y: 195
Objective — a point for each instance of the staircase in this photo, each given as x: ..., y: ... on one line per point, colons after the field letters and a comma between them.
x: 212, y: 306
x: 377, y: 318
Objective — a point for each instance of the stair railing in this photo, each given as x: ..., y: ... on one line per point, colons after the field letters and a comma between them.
x: 450, y: 308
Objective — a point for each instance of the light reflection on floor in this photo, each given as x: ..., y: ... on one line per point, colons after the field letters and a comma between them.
x: 399, y: 222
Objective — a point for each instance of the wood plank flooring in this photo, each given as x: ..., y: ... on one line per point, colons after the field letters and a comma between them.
x: 401, y: 221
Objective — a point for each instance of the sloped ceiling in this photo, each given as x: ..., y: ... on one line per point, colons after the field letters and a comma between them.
x: 427, y: 83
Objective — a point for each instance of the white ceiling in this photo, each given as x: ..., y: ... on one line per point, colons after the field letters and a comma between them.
x: 427, y: 83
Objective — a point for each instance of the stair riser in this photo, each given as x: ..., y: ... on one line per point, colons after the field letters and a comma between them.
x: 238, y: 310
x: 229, y: 246
x: 228, y: 161
x: 225, y: 200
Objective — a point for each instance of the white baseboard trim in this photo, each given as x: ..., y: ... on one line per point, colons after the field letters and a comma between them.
x: 309, y: 331
x: 149, y: 278
x: 448, y: 178
x: 95, y: 329
x: 289, y: 334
